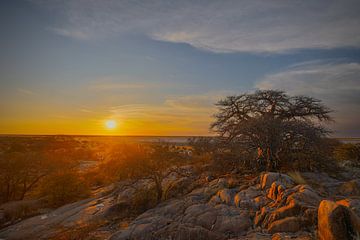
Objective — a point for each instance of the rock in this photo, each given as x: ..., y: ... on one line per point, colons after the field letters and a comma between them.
x: 247, y: 198
x: 322, y: 182
x: 266, y: 179
x: 179, y: 187
x: 226, y: 196
x: 60, y: 220
x: 231, y: 220
x: 290, y: 210
x: 292, y: 236
x: 304, y: 195
x: 209, y: 178
x: 350, y: 188
x: 299, y: 201
x: 120, y: 209
x: 334, y: 221
x: 289, y: 224
x: 352, y: 203
x: 260, y: 215
x: 275, y: 190
x: 186, y: 232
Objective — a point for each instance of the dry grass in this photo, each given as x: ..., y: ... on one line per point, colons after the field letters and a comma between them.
x: 296, y: 177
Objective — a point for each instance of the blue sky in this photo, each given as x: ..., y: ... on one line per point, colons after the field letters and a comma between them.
x: 65, y: 66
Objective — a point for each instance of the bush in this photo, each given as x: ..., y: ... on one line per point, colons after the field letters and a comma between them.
x: 144, y: 199
x: 348, y: 152
x: 63, y: 188
x: 16, y: 210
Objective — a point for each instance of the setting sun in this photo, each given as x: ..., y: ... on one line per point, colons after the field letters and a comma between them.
x: 110, y: 124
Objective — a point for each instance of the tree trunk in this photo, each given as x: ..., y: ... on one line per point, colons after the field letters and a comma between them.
x: 159, y: 190
x: 271, y: 159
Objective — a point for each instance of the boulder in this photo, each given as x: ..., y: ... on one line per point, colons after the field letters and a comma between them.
x: 266, y: 179
x: 352, y: 203
x: 226, y: 196
x: 178, y: 187
x: 248, y: 198
x: 335, y: 221
x: 231, y: 220
x: 350, y: 188
x: 209, y: 178
x: 289, y: 224
x: 290, y: 210
x: 304, y: 195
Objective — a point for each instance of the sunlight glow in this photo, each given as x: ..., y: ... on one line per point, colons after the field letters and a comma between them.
x: 110, y: 124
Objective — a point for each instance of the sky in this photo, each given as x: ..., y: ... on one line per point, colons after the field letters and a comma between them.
x: 157, y: 67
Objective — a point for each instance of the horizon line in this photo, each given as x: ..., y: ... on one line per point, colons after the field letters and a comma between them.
x: 106, y: 135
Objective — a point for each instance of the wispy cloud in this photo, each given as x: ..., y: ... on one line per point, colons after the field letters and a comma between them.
x: 220, y: 26
x: 183, y: 114
x: 117, y: 86
x: 106, y: 83
x: 70, y: 33
x: 85, y: 110
x: 25, y: 91
x: 337, y: 83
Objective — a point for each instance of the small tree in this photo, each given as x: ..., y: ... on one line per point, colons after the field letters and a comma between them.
x: 143, y: 162
x: 271, y: 123
x: 20, y: 172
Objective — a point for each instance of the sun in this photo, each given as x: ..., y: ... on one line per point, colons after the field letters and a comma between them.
x: 110, y: 124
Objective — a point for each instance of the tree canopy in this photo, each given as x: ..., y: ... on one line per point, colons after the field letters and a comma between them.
x: 271, y: 122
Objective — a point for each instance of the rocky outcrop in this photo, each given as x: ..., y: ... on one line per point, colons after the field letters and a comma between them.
x: 67, y: 217
x: 267, y: 179
x: 192, y: 217
x: 292, y: 209
x: 271, y: 206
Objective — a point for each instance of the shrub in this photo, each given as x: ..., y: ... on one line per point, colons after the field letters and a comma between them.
x: 63, y: 188
x: 348, y: 152
x: 144, y: 199
x: 16, y: 210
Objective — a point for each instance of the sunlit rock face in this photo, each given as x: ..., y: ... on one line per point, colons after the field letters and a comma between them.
x: 336, y: 221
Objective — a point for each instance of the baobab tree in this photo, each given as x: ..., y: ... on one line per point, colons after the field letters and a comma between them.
x: 271, y: 123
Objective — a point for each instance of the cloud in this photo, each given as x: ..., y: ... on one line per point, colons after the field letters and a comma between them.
x: 85, y: 110
x: 219, y: 26
x: 70, y: 33
x: 107, y: 83
x: 25, y: 91
x: 128, y: 83
x: 117, y: 86
x: 190, y: 114
x: 336, y: 83
x: 193, y: 103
